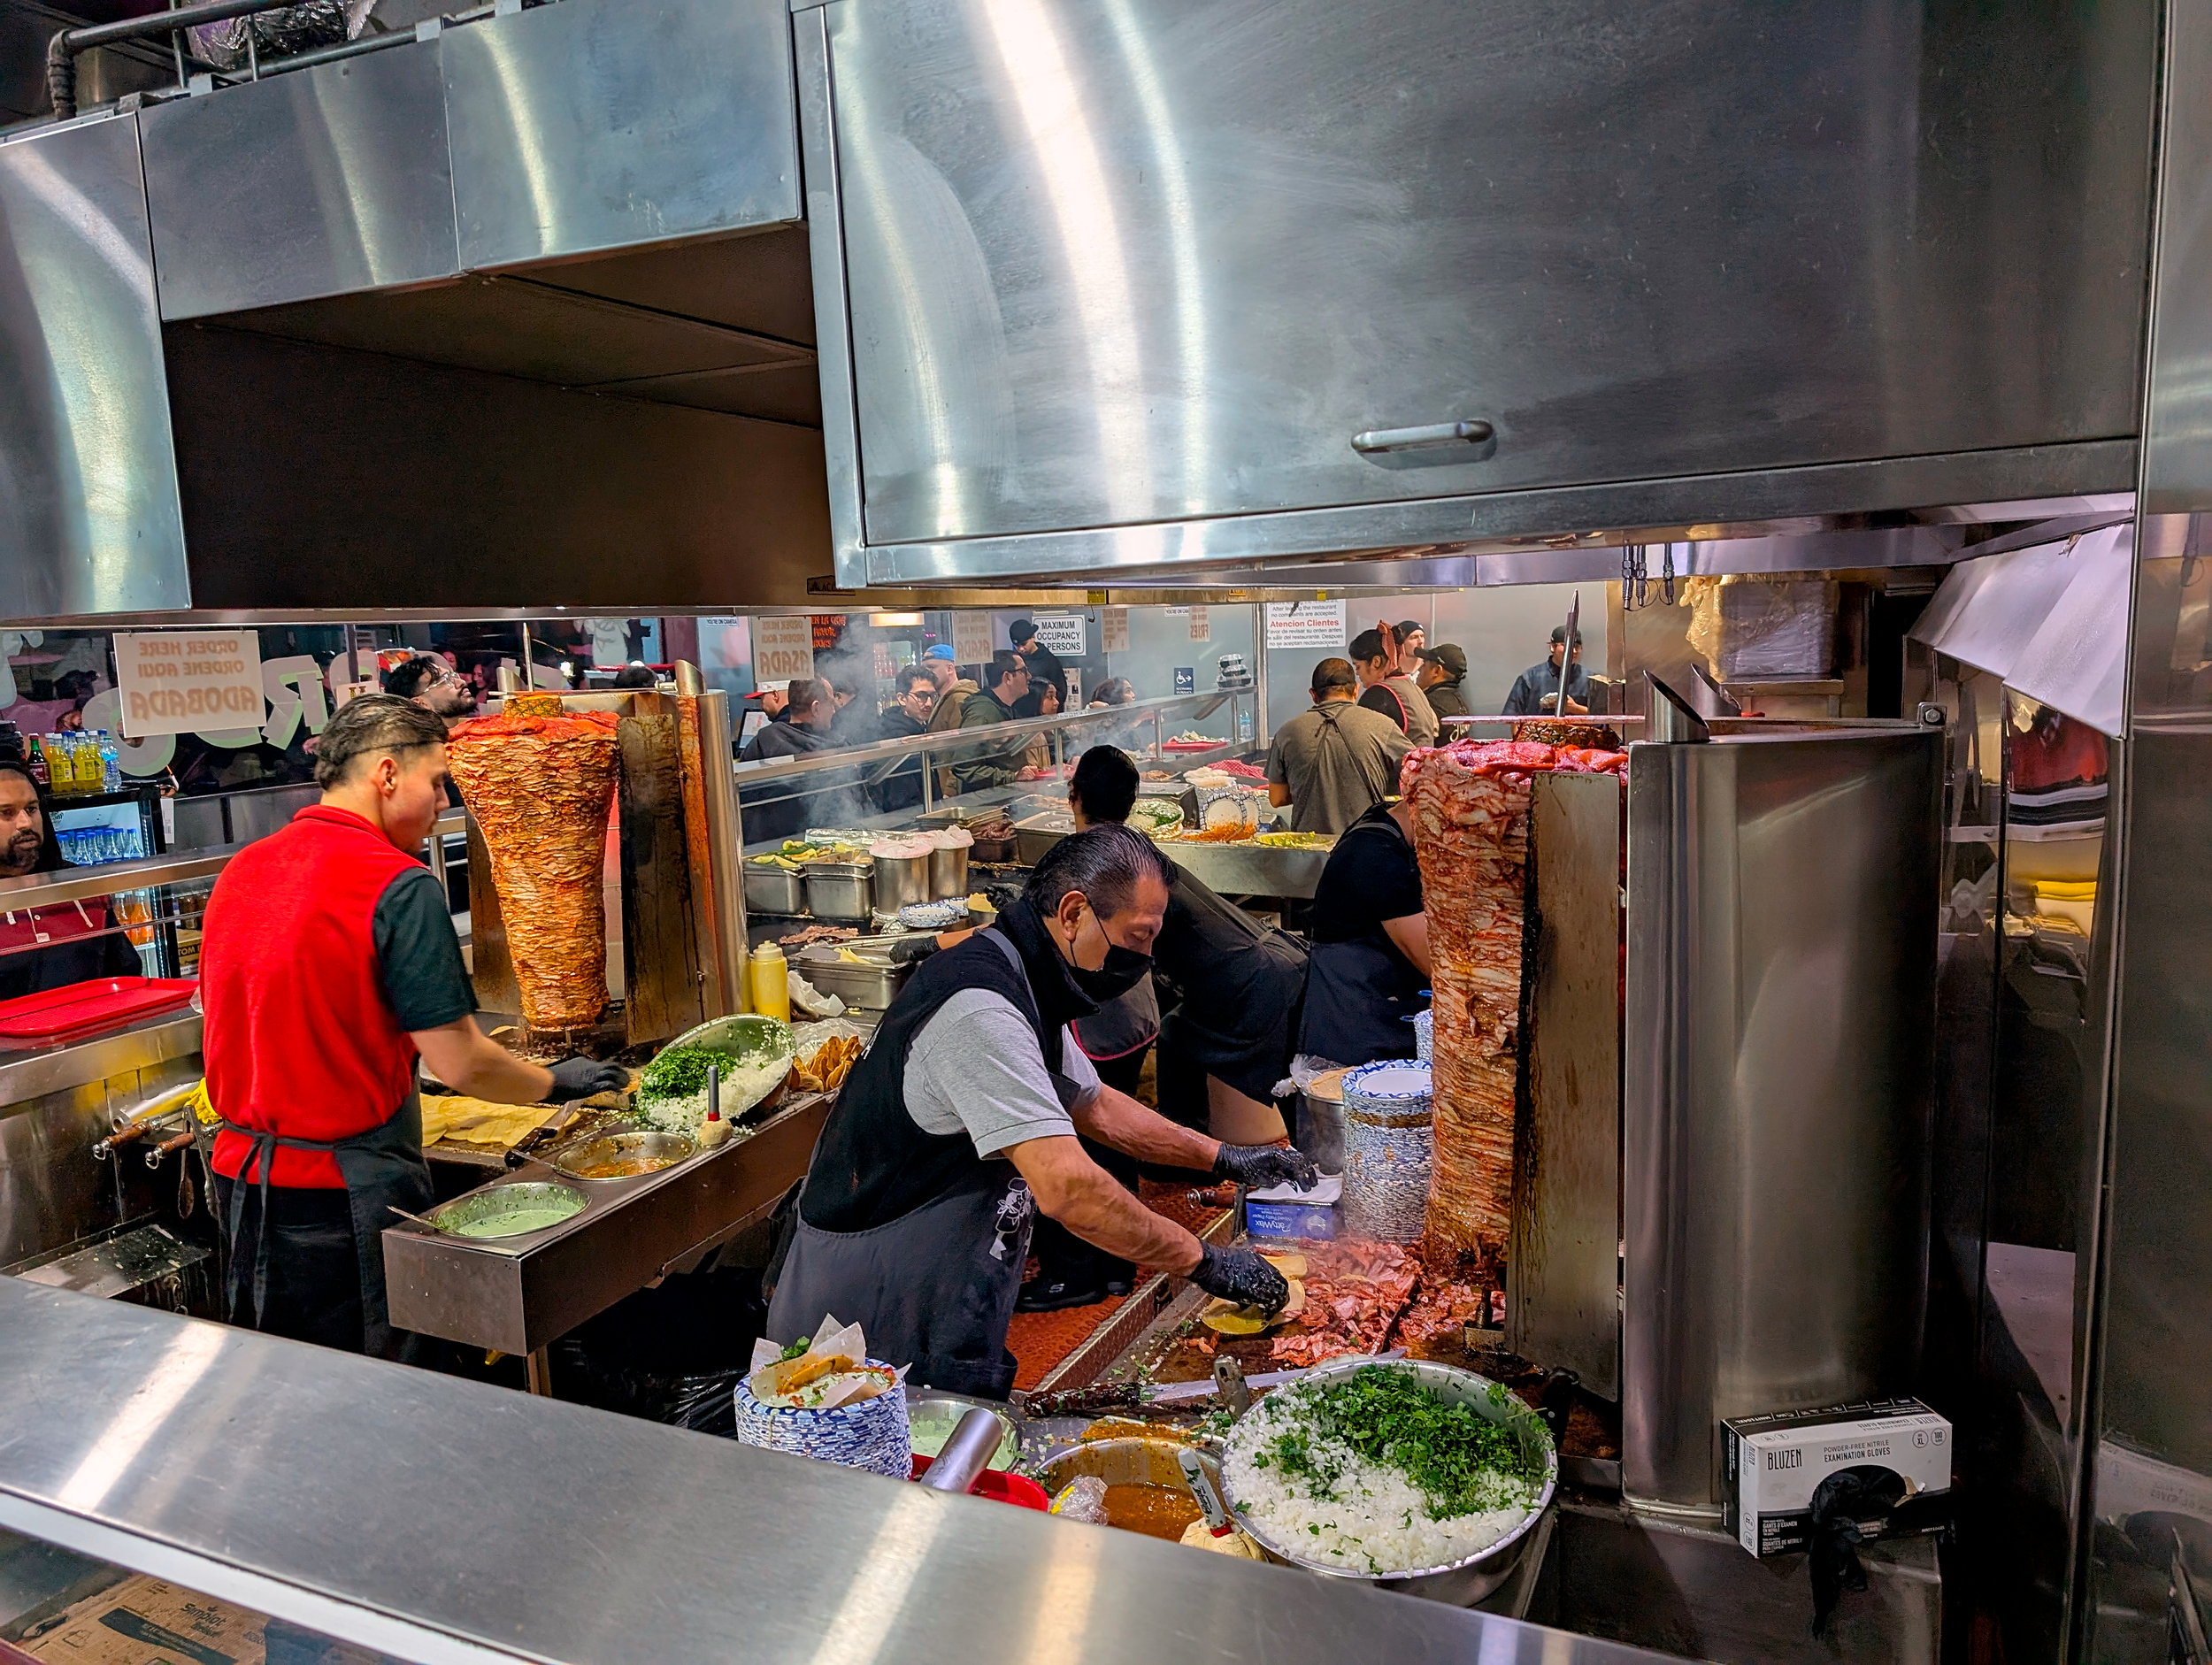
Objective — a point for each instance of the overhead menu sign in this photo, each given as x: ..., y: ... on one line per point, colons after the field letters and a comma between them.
x: 183, y: 681
x: 783, y: 648
x: 972, y: 642
x: 1306, y: 624
x: 1062, y: 632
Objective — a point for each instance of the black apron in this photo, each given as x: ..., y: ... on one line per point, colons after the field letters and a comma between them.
x: 383, y: 1169
x: 933, y: 1289
x: 1357, y: 1006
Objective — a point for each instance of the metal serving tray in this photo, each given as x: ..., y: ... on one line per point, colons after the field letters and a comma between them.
x: 517, y: 1298
x: 771, y: 889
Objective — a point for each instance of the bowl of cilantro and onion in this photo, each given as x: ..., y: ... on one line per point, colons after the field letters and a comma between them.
x: 1415, y: 1475
x: 754, y: 1053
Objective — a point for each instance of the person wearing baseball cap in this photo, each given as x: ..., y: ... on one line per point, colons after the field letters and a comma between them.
x: 1536, y: 691
x: 1044, y: 666
x: 1443, y: 671
x: 938, y: 650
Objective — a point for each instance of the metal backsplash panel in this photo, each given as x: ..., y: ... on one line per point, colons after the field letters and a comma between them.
x: 1781, y: 979
x: 90, y: 521
x: 606, y: 123
x: 319, y: 182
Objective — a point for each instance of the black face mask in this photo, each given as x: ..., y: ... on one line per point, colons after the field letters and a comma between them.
x: 1123, y: 970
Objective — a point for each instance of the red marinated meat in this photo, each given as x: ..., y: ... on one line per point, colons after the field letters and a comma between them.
x: 1470, y: 829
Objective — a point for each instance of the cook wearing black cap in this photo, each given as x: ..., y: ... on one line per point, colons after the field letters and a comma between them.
x: 1442, y: 676
x: 1535, y: 688
x: 1044, y: 666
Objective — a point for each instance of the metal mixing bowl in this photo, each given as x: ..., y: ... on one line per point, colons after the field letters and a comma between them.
x: 502, y: 1199
x: 934, y: 1405
x: 661, y: 1150
x: 1134, y: 1460
x: 1459, y: 1583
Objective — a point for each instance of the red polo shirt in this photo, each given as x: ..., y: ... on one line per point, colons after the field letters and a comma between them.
x: 324, y: 946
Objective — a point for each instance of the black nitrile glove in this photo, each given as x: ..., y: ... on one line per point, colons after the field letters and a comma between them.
x: 1263, y: 1167
x: 1241, y: 1276
x: 580, y: 1077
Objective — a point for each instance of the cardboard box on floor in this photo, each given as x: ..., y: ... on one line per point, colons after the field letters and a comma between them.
x: 146, y: 1620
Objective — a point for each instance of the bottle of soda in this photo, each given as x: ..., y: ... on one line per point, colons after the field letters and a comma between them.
x: 35, y: 754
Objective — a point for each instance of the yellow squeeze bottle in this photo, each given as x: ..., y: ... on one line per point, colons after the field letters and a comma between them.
x: 771, y: 981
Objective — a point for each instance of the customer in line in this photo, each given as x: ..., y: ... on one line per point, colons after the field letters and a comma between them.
x: 778, y: 810
x: 1044, y: 665
x: 905, y: 718
x: 986, y: 708
x: 1333, y: 762
x: 854, y: 720
x: 432, y: 684
x: 1443, y: 678
x: 1388, y: 691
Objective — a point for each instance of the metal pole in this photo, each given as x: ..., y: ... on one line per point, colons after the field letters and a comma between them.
x: 529, y: 678
x: 1260, y: 732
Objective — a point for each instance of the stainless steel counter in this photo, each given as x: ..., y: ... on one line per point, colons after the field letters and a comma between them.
x: 445, y: 1521
x: 1246, y: 869
x: 518, y: 1294
x: 34, y: 1072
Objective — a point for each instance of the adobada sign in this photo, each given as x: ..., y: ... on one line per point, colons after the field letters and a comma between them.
x: 185, y: 681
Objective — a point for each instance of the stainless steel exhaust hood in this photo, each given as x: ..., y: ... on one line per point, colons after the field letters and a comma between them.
x: 1116, y: 290
x: 508, y: 315
x: 89, y: 522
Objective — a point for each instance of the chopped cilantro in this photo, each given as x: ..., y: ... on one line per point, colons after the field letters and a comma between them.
x: 1459, y: 1460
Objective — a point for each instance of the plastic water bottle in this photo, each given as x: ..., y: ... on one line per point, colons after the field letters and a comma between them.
x: 111, y: 763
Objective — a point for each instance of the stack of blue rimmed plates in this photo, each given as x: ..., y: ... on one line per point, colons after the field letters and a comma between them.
x: 1388, y: 1141
x: 869, y: 1433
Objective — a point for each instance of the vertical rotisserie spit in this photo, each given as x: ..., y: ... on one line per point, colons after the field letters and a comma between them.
x: 540, y: 788
x: 1470, y: 829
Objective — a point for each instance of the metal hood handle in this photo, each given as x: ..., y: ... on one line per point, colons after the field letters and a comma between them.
x: 1382, y: 441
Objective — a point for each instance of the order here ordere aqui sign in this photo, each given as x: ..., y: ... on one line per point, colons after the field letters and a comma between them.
x: 180, y: 681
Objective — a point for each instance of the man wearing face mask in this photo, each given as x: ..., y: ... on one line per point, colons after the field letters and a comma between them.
x: 967, y: 1107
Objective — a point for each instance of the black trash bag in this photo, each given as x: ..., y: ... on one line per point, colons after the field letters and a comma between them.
x: 1864, y: 1493
x: 673, y: 1354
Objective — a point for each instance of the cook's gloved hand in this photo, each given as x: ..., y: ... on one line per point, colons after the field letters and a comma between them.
x: 1262, y: 1167
x: 1240, y: 1275
x: 580, y: 1077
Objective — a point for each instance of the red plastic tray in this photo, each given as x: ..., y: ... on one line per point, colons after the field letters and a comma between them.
x: 80, y: 1009
x: 999, y: 1486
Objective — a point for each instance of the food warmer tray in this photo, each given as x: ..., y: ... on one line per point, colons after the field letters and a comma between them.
x: 517, y: 1295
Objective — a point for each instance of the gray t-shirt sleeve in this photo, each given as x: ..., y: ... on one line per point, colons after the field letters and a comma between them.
x: 1076, y: 1065
x: 975, y: 1066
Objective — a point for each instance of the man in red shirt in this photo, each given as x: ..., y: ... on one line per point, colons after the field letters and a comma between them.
x: 328, y: 965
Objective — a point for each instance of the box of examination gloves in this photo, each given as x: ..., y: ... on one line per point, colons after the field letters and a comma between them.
x: 1886, y: 1464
